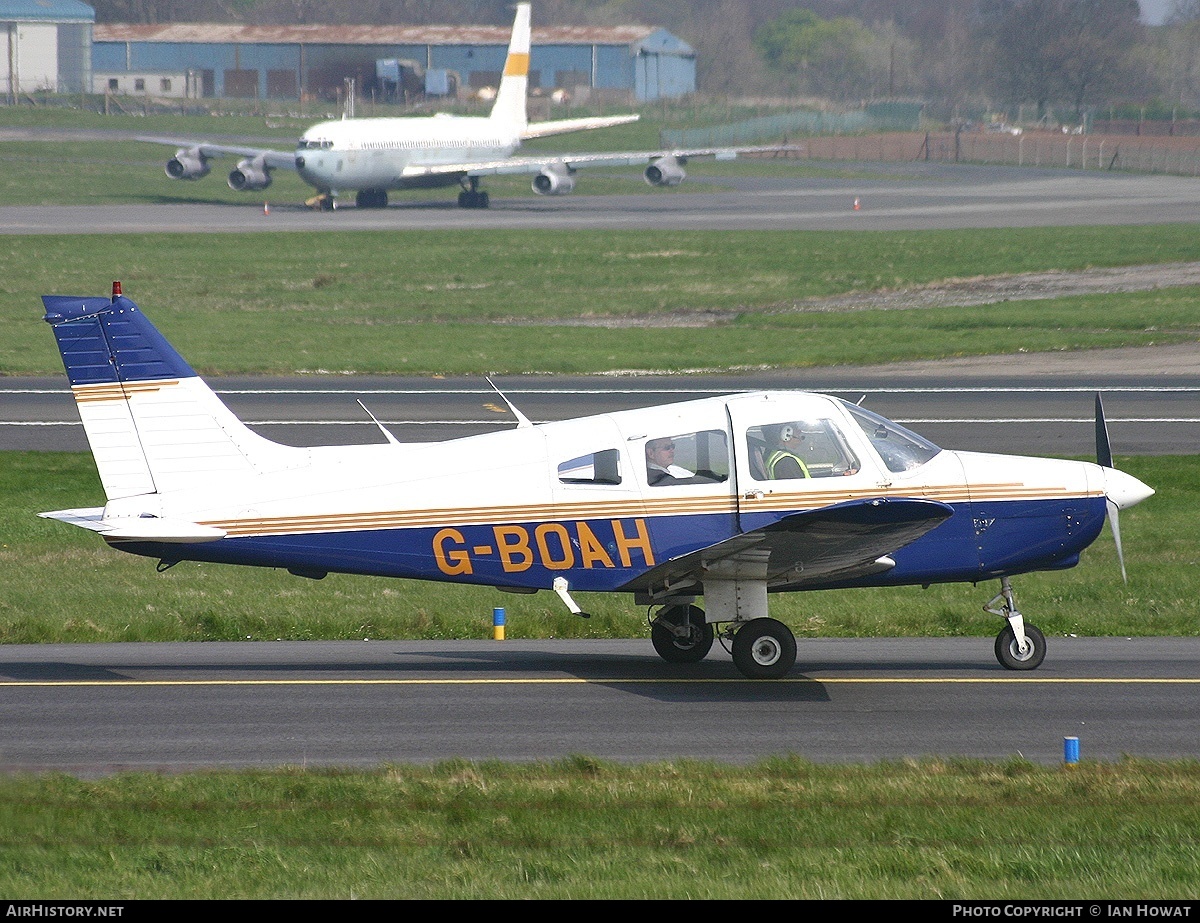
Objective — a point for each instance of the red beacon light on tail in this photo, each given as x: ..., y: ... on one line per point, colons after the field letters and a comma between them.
x: 116, y: 292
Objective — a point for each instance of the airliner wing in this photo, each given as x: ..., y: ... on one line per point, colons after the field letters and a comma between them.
x: 812, y: 548
x: 523, y: 165
x: 271, y: 158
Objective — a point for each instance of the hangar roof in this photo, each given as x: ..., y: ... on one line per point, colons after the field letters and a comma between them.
x: 45, y: 11
x: 212, y: 33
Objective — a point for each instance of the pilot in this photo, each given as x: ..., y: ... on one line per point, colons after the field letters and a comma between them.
x: 660, y: 463
x: 782, y: 459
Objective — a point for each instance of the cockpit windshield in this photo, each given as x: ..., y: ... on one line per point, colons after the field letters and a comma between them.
x: 901, y: 449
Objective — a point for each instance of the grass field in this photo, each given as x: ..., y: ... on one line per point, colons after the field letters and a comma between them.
x: 585, y: 829
x: 540, y: 301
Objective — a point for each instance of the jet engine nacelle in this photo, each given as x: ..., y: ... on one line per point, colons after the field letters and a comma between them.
x: 249, y: 174
x: 555, y: 179
x: 188, y: 163
x: 665, y: 171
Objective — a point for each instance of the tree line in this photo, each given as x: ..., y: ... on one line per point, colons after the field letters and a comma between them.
x: 1068, y: 58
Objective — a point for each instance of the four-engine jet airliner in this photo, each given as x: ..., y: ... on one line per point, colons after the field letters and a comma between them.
x: 374, y: 155
x: 726, y: 499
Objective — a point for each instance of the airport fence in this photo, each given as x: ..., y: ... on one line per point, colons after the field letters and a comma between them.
x: 1170, y: 155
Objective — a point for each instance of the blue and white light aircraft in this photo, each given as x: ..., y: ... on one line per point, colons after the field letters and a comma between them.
x: 374, y: 155
x: 725, y: 499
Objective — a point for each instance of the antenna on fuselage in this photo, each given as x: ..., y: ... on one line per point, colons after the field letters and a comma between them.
x: 522, y: 420
x: 388, y: 436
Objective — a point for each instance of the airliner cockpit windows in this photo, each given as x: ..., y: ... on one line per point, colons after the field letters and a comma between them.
x: 900, y: 449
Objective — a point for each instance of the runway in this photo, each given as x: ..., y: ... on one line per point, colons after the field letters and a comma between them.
x: 99, y: 708
x: 1148, y: 412
x: 916, y: 196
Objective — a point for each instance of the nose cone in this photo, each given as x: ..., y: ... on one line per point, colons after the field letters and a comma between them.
x: 1124, y: 489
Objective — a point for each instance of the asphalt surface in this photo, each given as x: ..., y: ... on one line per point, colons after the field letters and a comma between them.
x: 98, y: 708
x: 892, y: 197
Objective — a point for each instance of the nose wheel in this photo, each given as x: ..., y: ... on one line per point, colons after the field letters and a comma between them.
x: 1018, y: 646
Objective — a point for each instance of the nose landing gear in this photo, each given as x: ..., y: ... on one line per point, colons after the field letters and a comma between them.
x: 1018, y: 646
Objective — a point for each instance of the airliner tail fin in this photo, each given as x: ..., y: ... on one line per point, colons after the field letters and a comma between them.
x: 509, y: 108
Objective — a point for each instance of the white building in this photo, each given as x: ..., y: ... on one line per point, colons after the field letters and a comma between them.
x: 45, y: 45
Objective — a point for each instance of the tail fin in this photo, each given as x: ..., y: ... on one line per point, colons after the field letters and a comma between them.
x: 152, y: 423
x: 509, y: 108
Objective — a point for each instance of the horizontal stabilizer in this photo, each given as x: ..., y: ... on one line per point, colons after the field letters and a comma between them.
x: 137, y: 529
x: 566, y: 126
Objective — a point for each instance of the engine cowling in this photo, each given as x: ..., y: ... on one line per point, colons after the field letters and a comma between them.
x: 665, y: 171
x: 249, y: 174
x: 188, y: 163
x: 555, y: 179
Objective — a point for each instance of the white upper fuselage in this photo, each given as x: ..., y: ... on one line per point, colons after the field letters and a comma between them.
x: 392, y: 153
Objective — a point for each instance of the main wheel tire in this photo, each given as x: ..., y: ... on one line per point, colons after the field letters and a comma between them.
x: 764, y: 649
x: 681, y: 648
x: 1010, y: 655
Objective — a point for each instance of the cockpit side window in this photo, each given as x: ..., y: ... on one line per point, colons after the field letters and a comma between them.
x: 799, y: 449
x: 688, y: 458
x: 900, y: 449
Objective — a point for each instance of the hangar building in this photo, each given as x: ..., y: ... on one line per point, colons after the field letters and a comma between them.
x: 197, y: 60
x: 47, y: 46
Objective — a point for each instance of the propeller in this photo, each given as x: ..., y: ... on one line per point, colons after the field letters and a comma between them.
x: 1121, y: 490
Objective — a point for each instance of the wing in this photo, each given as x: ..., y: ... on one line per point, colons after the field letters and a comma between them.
x: 809, y: 549
x: 271, y: 158
x: 572, y: 162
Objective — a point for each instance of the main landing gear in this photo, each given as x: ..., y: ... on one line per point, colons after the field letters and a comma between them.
x: 472, y: 196
x: 762, y: 648
x: 1018, y: 646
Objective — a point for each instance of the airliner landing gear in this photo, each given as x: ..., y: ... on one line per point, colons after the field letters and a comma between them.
x: 680, y: 634
x: 322, y: 201
x: 472, y: 196
x: 1018, y: 646
x: 371, y: 198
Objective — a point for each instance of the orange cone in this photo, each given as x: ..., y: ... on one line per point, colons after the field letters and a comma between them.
x: 267, y: 207
x: 857, y: 206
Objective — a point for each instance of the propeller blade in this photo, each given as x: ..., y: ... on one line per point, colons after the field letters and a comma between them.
x: 1103, y: 446
x: 1115, y: 523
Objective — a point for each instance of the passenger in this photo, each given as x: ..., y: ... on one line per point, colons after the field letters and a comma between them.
x: 660, y: 463
x: 782, y: 458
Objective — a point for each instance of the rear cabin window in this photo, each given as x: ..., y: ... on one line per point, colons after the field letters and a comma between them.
x: 600, y: 467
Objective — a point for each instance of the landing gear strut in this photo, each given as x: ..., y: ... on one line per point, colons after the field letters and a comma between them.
x: 1018, y: 646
